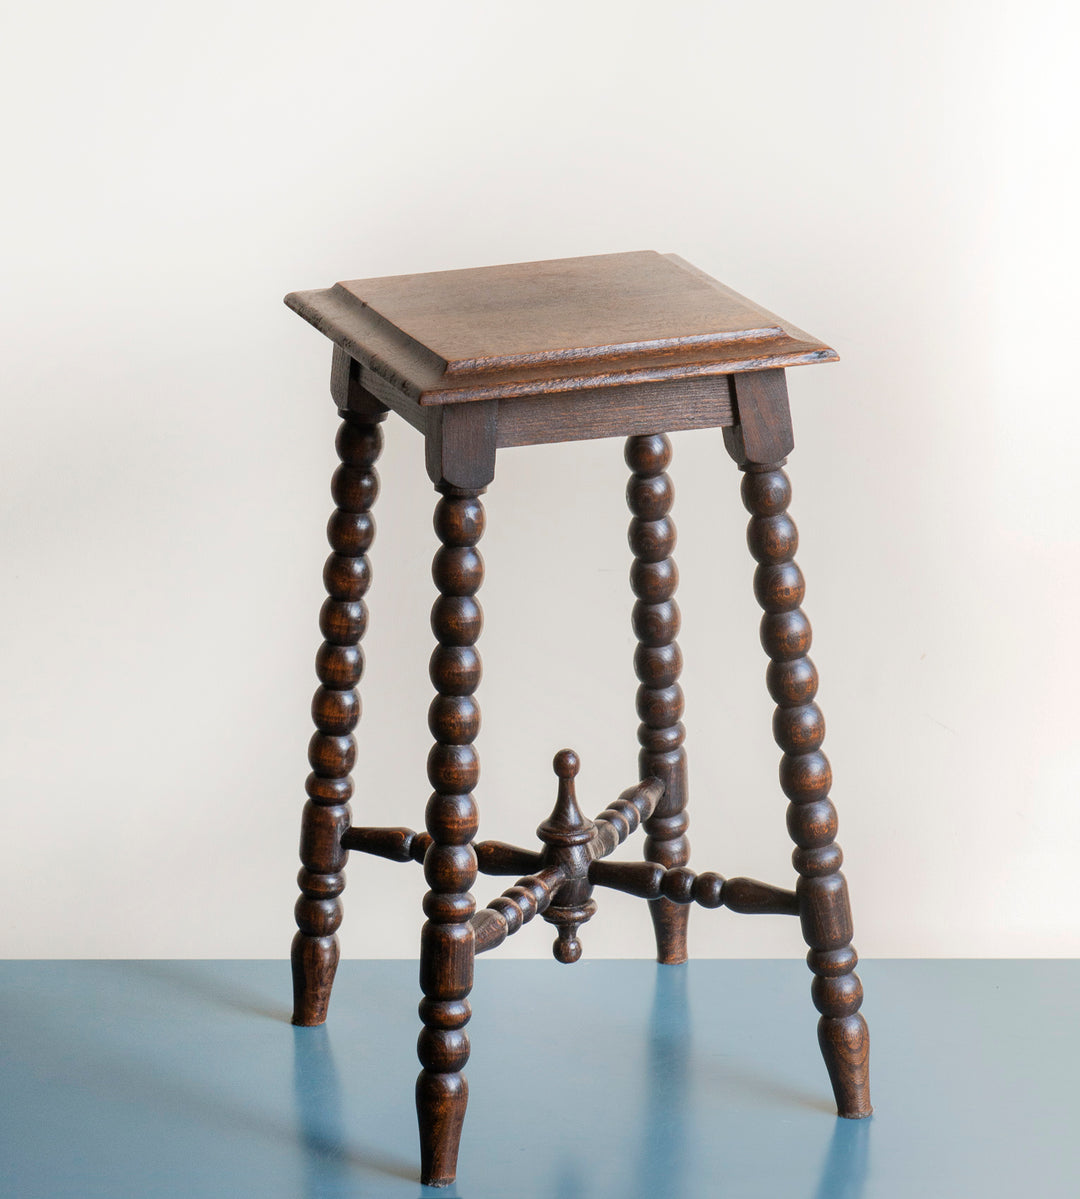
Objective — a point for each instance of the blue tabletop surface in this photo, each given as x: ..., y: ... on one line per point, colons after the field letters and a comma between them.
x: 617, y: 1079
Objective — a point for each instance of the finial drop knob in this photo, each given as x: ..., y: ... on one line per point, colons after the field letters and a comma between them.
x: 566, y: 825
x: 567, y: 948
x: 566, y: 764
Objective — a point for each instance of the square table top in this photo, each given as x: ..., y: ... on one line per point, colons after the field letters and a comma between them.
x: 543, y: 328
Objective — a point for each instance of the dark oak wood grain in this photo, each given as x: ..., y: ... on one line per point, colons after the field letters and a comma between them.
x: 567, y: 836
x: 799, y: 731
x: 539, y: 328
x: 335, y: 710
x: 568, y: 311
x: 621, y: 345
x: 562, y: 889
x: 407, y: 845
x: 395, y: 844
x: 516, y: 906
x: 597, y: 412
x: 649, y: 880
x: 460, y: 446
x: 447, y: 941
x: 658, y: 664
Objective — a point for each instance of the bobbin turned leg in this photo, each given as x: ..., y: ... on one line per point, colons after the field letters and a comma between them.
x: 657, y: 661
x: 759, y: 444
x: 335, y: 710
x: 460, y: 448
x: 447, y: 944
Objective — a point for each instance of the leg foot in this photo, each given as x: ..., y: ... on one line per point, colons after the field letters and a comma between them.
x: 670, y: 922
x: 314, y: 964
x: 845, y: 1045
x: 441, y: 1100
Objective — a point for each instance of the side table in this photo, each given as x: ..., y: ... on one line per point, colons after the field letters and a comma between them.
x: 618, y: 345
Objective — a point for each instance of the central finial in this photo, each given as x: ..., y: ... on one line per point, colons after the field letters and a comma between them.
x: 567, y: 835
x: 566, y: 764
x: 566, y: 825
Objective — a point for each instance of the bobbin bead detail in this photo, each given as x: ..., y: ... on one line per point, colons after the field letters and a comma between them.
x: 805, y: 778
x: 335, y: 710
x: 655, y: 620
x: 343, y: 622
x: 447, y: 942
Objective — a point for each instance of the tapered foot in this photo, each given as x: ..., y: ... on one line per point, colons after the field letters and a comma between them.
x: 845, y: 1045
x: 314, y: 964
x: 441, y: 1100
x: 670, y: 921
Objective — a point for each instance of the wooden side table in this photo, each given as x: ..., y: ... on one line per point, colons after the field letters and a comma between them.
x: 629, y: 345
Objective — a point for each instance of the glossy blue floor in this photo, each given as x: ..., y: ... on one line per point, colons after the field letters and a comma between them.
x: 610, y: 1079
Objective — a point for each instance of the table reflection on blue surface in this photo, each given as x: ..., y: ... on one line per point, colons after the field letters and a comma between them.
x: 605, y: 1080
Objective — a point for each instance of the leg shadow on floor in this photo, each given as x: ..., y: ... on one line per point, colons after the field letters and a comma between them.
x: 661, y: 1164
x: 330, y: 1161
x: 844, y: 1173
x: 669, y: 1086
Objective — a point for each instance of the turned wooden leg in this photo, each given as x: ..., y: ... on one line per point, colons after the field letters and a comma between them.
x: 335, y: 710
x: 759, y: 444
x: 805, y: 776
x: 447, y: 943
x: 658, y: 662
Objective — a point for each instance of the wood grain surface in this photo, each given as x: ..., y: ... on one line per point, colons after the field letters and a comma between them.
x: 633, y: 345
x: 541, y: 328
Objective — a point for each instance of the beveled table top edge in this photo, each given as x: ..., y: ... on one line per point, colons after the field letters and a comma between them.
x: 427, y: 377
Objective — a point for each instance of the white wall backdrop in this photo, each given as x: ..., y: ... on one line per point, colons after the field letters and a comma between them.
x: 899, y: 179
